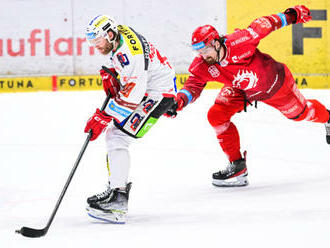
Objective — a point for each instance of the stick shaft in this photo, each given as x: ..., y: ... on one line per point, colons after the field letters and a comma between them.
x: 68, y: 181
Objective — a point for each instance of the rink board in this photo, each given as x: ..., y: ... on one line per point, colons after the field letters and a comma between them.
x: 94, y: 82
x: 302, y: 47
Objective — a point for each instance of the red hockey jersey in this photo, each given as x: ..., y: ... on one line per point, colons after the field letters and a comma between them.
x: 244, y: 66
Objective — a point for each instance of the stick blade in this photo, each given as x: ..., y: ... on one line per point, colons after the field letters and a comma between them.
x: 31, y: 233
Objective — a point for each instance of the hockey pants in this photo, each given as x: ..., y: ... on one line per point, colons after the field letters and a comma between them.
x: 118, y: 138
x: 288, y: 100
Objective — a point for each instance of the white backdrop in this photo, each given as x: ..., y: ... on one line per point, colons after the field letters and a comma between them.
x: 43, y: 37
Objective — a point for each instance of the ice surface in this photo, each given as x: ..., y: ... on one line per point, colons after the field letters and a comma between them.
x: 172, y: 203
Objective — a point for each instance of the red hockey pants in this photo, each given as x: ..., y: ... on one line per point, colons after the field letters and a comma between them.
x: 288, y: 100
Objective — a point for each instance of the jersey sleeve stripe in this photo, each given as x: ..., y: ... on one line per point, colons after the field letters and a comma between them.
x: 187, y: 93
x: 283, y: 19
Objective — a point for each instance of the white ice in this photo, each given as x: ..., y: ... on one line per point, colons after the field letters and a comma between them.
x: 172, y: 202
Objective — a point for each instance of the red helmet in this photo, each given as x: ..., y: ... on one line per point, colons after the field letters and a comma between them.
x: 203, y: 36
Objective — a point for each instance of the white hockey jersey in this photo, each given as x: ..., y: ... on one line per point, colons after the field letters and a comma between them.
x: 142, y: 71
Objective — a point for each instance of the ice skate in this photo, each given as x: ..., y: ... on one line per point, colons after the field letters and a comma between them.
x: 234, y: 175
x: 111, y: 206
x: 99, y: 197
x: 327, y: 129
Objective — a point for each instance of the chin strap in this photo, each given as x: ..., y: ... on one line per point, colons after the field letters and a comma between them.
x: 218, y: 55
x: 116, y: 35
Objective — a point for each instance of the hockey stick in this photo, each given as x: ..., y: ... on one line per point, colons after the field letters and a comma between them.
x: 36, y: 233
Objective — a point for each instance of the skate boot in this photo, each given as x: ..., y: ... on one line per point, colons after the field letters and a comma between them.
x: 234, y: 175
x: 327, y: 129
x: 113, y: 208
x: 99, y: 197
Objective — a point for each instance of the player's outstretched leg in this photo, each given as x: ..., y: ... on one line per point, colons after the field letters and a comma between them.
x: 235, y: 174
x: 327, y: 129
x: 110, y: 206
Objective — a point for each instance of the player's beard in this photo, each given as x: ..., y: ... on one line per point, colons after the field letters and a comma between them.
x: 210, y: 60
x: 106, y: 49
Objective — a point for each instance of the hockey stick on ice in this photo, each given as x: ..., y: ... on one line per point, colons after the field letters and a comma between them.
x: 36, y: 233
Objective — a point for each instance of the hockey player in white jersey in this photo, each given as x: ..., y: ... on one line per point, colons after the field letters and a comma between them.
x: 146, y: 92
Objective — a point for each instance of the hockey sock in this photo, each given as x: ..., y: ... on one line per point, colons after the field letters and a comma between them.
x: 119, y: 165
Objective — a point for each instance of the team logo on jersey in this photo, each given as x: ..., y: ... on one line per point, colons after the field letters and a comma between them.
x: 224, y: 63
x: 123, y: 60
x: 245, y: 80
x: 213, y: 70
x: 135, y: 121
x: 127, y: 89
x: 148, y: 105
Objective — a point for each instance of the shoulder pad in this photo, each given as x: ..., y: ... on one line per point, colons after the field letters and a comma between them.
x: 196, y: 64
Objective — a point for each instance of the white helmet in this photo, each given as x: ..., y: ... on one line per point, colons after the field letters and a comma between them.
x: 99, y: 26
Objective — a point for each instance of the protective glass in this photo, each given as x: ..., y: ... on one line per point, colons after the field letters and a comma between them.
x: 204, y: 50
x: 95, y: 42
x: 94, y: 39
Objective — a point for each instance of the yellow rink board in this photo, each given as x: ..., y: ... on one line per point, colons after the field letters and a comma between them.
x: 313, y: 56
x: 93, y: 82
x: 69, y: 83
x: 25, y: 84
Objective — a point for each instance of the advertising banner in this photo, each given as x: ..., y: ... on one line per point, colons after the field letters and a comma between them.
x: 43, y: 47
x: 47, y: 37
x: 304, y: 48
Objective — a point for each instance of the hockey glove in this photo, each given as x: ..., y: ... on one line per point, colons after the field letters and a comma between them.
x: 97, y: 123
x: 301, y: 13
x: 110, y: 84
x: 181, y: 100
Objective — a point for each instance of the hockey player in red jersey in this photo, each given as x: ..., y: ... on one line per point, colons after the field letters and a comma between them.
x: 248, y: 75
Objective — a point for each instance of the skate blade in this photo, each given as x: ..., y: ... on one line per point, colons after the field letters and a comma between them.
x: 109, y: 217
x: 238, y: 181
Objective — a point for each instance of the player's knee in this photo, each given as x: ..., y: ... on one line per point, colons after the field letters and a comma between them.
x: 114, y: 141
x: 116, y: 144
x: 302, y: 115
x: 216, y: 115
x: 314, y: 111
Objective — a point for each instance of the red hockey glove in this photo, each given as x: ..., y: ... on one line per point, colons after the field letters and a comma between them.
x: 302, y: 14
x: 97, y: 123
x: 110, y: 84
x: 181, y: 100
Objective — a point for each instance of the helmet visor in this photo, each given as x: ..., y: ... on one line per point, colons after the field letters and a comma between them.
x: 93, y: 39
x: 203, y: 51
x: 198, y: 46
